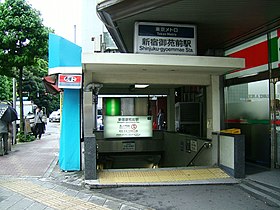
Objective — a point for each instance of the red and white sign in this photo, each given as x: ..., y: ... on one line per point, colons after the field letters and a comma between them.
x: 255, y: 53
x: 259, y: 53
x: 70, y: 81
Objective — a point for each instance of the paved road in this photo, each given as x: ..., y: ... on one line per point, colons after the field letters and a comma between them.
x: 197, y: 197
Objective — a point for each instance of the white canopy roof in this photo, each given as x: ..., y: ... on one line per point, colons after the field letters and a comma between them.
x: 123, y: 68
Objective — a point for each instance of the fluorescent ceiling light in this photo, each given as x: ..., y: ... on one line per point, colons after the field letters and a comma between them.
x: 140, y: 86
x: 154, y: 98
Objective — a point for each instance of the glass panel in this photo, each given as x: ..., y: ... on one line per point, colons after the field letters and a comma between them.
x: 127, y: 106
x: 113, y: 107
x: 247, y: 108
x: 248, y: 102
x: 141, y: 106
x: 277, y: 121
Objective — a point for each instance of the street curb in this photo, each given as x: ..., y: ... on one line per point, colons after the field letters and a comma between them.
x: 94, y: 184
x: 51, y: 168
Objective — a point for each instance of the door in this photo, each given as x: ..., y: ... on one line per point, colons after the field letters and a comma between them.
x: 247, y: 108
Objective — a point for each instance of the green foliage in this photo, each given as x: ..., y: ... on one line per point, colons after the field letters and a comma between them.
x: 34, y: 89
x: 23, y: 37
x: 6, y: 85
x: 40, y: 69
x: 21, y: 137
x: 23, y: 44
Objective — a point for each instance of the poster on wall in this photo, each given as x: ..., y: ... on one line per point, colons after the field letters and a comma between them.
x: 165, y: 38
x: 127, y: 126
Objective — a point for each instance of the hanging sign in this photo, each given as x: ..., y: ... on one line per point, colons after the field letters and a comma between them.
x: 165, y: 38
x: 70, y: 81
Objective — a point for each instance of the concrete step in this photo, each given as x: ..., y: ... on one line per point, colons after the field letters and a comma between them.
x: 267, y: 193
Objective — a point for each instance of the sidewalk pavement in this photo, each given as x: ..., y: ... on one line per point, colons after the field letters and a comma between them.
x: 263, y: 175
x: 30, y: 179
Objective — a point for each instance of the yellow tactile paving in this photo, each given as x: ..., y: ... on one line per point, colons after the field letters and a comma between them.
x: 160, y: 175
x: 49, y: 197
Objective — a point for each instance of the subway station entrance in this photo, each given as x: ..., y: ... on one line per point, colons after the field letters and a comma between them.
x: 187, y: 91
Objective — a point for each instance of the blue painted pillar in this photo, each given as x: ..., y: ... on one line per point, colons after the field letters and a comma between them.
x: 65, y: 58
x: 69, y: 154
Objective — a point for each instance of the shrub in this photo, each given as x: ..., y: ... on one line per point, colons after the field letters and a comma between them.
x: 25, y: 137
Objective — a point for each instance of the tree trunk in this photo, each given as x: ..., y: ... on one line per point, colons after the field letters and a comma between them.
x: 21, y: 100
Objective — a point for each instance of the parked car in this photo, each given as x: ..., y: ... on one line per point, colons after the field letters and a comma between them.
x: 54, y: 116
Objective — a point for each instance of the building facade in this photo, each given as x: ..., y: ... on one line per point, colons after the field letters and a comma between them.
x: 230, y: 68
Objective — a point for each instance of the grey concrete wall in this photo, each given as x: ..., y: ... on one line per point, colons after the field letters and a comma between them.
x: 90, y: 157
x: 179, y: 150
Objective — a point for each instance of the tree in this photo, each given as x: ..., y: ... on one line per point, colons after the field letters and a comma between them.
x: 34, y: 88
x: 6, y: 84
x: 23, y: 40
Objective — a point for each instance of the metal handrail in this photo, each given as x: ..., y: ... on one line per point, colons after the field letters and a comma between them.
x: 205, y: 145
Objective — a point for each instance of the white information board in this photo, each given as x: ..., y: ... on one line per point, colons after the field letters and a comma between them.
x: 127, y: 126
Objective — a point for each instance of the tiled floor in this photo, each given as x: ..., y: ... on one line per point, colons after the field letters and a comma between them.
x: 160, y: 175
x: 48, y: 197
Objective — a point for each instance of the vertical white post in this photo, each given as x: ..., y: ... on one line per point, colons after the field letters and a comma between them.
x: 88, y: 113
x: 171, y: 110
x: 214, y: 116
x: 216, y: 109
x: 213, y: 106
x: 14, y: 132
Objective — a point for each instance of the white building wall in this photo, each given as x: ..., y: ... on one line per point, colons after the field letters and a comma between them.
x: 213, y: 106
x: 91, y: 26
